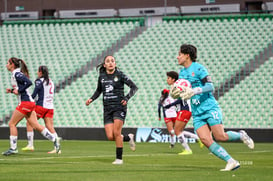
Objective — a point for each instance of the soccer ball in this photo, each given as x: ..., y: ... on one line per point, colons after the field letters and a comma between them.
x: 180, y: 83
x: 178, y: 86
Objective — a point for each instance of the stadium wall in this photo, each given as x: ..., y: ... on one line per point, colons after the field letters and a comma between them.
x: 141, y: 134
x: 44, y: 6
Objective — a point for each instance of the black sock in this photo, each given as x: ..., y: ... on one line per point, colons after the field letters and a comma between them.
x: 119, y: 153
x: 126, y: 138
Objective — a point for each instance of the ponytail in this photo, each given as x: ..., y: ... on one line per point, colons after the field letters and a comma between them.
x: 24, y: 68
x: 19, y: 63
x: 164, y: 95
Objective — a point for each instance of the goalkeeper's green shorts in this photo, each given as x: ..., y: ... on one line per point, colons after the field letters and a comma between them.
x: 211, y: 117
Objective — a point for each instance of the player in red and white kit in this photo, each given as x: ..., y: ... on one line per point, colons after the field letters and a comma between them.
x: 25, y: 109
x: 168, y: 114
x: 43, y: 95
x: 182, y: 118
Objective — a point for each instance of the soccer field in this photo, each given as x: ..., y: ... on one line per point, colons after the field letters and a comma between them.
x: 91, y: 160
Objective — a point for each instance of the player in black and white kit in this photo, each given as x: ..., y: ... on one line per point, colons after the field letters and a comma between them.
x: 111, y: 84
x: 44, y: 95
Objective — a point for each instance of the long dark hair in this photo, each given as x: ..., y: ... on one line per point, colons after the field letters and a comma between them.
x: 100, y: 66
x: 44, y: 71
x: 189, y: 49
x: 19, y: 63
x: 164, y: 95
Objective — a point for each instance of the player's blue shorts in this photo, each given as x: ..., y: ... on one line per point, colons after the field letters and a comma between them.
x: 211, y: 117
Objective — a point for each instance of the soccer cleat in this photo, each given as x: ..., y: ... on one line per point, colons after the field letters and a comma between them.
x: 57, y: 145
x: 232, y: 165
x: 185, y: 152
x: 247, y: 140
x: 132, y: 142
x: 10, y: 152
x: 117, y: 162
x: 28, y: 148
x: 171, y: 146
x: 200, y: 143
x: 54, y: 151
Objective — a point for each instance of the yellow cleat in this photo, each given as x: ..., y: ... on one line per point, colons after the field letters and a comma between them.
x: 185, y: 152
x: 28, y: 148
x: 200, y: 143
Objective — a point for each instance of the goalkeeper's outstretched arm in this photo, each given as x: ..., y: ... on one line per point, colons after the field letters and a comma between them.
x: 208, y: 87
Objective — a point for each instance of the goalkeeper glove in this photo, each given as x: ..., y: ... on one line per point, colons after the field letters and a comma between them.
x: 188, y: 92
x: 174, y: 92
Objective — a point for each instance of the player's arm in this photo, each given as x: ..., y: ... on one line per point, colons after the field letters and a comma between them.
x: 172, y: 104
x: 189, y: 92
x: 159, y: 110
x: 208, y: 86
x: 96, y: 94
x: 132, y: 85
x: 38, y: 86
x: 20, y: 77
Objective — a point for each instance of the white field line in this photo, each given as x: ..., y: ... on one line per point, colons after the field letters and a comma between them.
x: 260, y: 151
x: 103, y: 156
x: 90, y: 156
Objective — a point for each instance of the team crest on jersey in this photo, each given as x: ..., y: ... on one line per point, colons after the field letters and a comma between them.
x: 116, y: 79
x: 192, y: 74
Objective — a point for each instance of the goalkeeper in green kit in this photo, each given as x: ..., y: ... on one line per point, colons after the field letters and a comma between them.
x: 207, y: 115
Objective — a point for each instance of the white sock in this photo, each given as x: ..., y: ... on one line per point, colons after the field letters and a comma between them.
x: 30, y: 137
x: 191, y: 135
x: 183, y: 141
x: 55, y: 135
x: 13, y: 142
x: 231, y: 160
x: 172, y: 139
x: 48, y: 135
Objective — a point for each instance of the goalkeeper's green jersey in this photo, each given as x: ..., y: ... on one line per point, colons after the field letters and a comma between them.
x: 202, y: 102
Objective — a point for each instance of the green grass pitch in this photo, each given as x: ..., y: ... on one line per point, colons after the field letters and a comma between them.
x: 91, y: 160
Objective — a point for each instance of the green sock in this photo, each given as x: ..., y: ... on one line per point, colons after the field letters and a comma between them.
x: 219, y: 151
x: 233, y: 136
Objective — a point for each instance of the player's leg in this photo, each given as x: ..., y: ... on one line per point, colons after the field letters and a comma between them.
x: 170, y: 128
x: 30, y: 138
x: 212, y: 123
x: 109, y: 131
x: 32, y: 119
x: 219, y: 151
x: 179, y: 127
x: 16, y: 117
x: 181, y: 121
x: 220, y: 135
x: 130, y: 138
x: 119, y: 141
x: 194, y: 136
x: 50, y: 126
x: 120, y: 114
x: 30, y: 134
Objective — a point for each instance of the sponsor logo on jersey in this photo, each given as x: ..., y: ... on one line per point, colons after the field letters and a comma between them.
x: 116, y: 79
x: 106, y: 81
x: 109, y: 88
